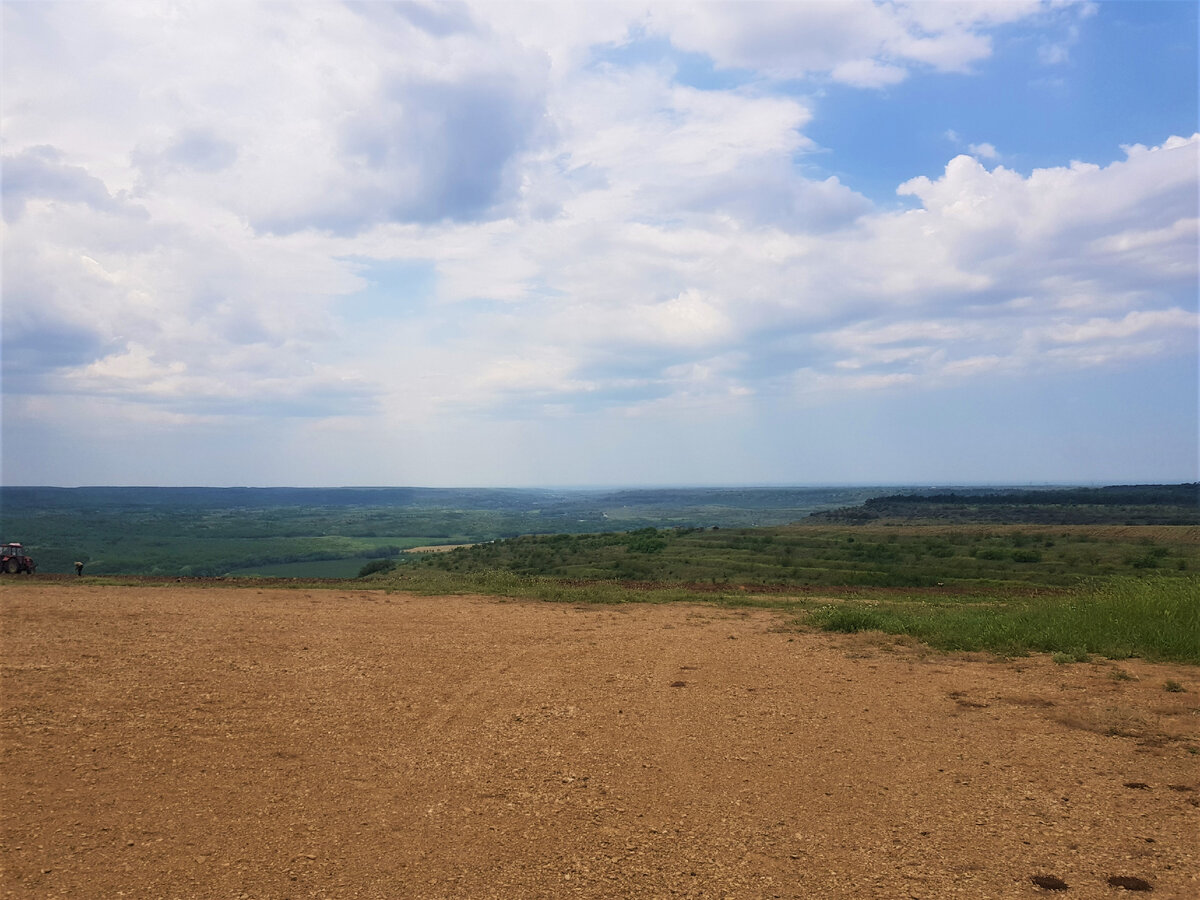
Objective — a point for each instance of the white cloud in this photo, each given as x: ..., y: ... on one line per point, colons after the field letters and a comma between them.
x: 856, y: 42
x: 872, y: 335
x: 549, y: 372
x: 40, y: 174
x: 1164, y: 321
x: 688, y: 319
x: 1053, y: 54
x: 868, y: 73
x: 1055, y: 211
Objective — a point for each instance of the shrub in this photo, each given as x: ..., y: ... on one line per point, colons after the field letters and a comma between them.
x: 376, y: 565
x: 380, y: 552
x: 645, y: 540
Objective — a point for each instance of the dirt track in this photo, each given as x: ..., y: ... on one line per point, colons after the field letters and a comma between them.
x: 259, y: 743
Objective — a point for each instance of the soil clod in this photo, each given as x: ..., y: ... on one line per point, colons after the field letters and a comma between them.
x: 1049, y: 882
x: 1130, y: 883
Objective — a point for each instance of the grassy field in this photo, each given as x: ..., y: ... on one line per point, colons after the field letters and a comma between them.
x: 877, y: 555
x: 1155, y: 618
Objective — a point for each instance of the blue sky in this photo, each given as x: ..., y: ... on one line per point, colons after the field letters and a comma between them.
x: 599, y: 243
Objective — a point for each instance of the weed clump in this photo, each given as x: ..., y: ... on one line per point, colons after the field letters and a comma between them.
x: 1074, y: 655
x: 848, y: 619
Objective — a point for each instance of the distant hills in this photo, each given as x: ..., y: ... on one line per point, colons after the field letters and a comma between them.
x: 333, y: 532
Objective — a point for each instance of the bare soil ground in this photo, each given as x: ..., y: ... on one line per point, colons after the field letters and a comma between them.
x: 197, y: 742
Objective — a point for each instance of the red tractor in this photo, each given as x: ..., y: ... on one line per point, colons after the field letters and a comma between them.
x: 14, y: 561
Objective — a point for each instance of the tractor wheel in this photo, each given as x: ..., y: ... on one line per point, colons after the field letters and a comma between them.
x: 11, y: 566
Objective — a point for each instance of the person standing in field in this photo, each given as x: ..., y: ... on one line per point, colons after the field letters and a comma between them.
x: 78, y: 569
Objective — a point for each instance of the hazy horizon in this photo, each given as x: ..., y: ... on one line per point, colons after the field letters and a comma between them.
x: 781, y: 486
x: 600, y: 244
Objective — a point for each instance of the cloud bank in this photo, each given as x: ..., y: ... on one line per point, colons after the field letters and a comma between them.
x: 395, y: 218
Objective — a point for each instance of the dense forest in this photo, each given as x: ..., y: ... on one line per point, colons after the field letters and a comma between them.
x: 1145, y: 504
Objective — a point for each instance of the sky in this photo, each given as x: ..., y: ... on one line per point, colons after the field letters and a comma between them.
x: 599, y: 243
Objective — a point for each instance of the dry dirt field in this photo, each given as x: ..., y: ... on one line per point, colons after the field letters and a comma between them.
x: 208, y: 741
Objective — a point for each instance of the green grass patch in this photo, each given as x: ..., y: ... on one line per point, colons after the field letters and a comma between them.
x: 1155, y: 618
x: 504, y: 583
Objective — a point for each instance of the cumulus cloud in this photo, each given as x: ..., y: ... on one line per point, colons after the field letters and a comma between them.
x: 1049, y: 259
x: 1151, y: 183
x: 988, y: 276
x: 42, y: 173
x: 423, y: 119
x: 421, y: 152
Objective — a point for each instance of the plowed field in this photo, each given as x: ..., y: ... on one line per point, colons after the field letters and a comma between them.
x: 207, y: 741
